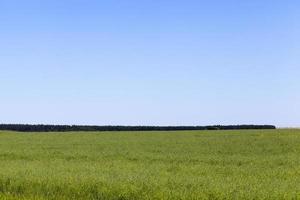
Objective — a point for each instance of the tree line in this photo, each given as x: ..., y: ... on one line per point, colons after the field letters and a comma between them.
x: 64, y: 128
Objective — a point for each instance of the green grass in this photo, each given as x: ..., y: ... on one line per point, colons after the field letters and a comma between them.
x: 258, y: 164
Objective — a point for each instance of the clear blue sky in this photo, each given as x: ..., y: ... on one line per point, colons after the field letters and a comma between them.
x: 150, y: 62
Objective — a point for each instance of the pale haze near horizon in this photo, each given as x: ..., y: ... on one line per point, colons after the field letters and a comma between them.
x: 150, y: 62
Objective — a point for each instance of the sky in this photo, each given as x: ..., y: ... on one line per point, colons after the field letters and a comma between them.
x: 150, y: 62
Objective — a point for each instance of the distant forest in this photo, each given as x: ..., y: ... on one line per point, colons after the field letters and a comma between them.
x: 64, y: 128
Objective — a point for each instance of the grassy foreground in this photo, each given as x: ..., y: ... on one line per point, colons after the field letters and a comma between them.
x: 258, y: 164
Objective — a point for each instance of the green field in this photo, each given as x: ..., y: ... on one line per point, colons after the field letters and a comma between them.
x: 258, y: 164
